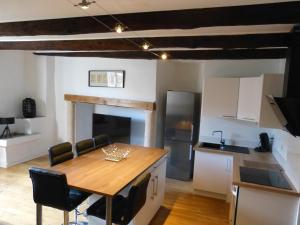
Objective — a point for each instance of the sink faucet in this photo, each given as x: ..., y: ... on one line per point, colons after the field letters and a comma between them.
x: 222, y: 141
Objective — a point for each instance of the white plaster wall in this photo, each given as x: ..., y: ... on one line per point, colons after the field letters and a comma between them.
x: 71, y: 76
x: 177, y: 76
x: 39, y: 85
x: 83, y: 121
x: 11, y: 83
x: 286, y: 149
x: 236, y: 132
x: 22, y: 75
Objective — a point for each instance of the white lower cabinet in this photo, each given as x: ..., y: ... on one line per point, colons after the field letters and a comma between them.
x: 266, y: 208
x: 155, y: 196
x: 212, y: 172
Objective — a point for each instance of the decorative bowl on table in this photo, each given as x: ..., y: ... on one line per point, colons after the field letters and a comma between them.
x: 115, y: 153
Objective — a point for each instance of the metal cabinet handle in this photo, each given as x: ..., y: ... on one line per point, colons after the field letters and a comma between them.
x: 250, y: 119
x: 227, y: 116
x: 153, y: 188
x: 190, y: 152
x: 228, y: 166
x: 156, y: 188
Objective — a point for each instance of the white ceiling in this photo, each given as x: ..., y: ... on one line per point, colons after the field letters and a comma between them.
x: 21, y: 10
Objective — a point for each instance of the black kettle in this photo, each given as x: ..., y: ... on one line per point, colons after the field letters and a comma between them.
x: 264, y: 143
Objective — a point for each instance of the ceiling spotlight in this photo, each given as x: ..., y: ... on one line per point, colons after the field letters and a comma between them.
x: 119, y: 28
x: 85, y: 4
x: 146, y: 46
x: 164, y: 56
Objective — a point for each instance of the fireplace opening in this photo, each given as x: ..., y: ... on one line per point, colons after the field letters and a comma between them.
x: 116, y: 127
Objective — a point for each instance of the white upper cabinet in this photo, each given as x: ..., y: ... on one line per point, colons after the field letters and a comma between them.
x: 243, y: 98
x: 249, y: 103
x: 220, y: 97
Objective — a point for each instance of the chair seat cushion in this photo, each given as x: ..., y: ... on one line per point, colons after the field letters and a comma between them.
x: 119, y: 207
x: 76, y: 197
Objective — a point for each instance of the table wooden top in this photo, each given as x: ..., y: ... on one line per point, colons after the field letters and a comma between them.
x: 92, y: 173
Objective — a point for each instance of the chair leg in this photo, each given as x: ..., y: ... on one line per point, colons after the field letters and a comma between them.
x: 66, y: 218
x: 39, y: 211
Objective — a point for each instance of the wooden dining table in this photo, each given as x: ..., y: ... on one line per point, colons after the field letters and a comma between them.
x: 94, y: 174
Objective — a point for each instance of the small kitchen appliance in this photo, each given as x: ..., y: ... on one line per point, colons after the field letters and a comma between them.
x: 264, y: 143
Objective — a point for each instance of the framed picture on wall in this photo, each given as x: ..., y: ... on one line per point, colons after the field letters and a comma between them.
x: 107, y: 78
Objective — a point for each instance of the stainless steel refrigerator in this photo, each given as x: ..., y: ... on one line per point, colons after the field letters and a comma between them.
x: 181, y: 133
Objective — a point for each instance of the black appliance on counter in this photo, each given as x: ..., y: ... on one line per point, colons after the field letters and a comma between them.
x: 264, y: 143
x: 181, y: 133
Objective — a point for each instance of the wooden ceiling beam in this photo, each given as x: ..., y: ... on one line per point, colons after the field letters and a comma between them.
x: 185, y: 55
x: 190, y: 42
x: 260, y: 14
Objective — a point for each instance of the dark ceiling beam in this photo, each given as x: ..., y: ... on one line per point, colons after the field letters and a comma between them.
x: 188, y: 55
x: 275, y: 13
x: 191, y: 42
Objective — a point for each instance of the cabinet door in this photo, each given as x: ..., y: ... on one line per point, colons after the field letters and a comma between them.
x: 159, y: 191
x: 250, y: 95
x: 155, y: 194
x: 144, y: 216
x: 212, y: 172
x: 220, y: 97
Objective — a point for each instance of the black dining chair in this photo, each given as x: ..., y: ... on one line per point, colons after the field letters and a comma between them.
x: 101, y: 141
x: 124, y: 209
x: 60, y: 153
x: 51, y: 189
x: 84, y: 147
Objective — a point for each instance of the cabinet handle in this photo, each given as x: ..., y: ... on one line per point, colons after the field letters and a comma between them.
x: 192, y: 132
x: 226, y: 116
x: 153, y: 188
x: 156, y: 188
x: 250, y: 119
x: 191, y: 152
x: 228, y: 165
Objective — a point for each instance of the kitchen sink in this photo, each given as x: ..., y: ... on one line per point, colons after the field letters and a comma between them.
x: 210, y: 145
x: 226, y: 148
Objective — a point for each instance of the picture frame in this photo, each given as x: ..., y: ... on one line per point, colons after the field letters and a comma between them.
x: 107, y: 78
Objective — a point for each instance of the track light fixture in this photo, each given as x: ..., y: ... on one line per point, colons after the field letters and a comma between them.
x: 85, y: 4
x: 164, y: 56
x: 119, y: 28
x: 146, y: 46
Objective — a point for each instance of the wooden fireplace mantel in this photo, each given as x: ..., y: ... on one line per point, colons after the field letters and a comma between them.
x: 151, y: 106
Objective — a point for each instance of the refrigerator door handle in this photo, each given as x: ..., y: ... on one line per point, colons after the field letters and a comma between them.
x: 191, y: 152
x: 192, y: 132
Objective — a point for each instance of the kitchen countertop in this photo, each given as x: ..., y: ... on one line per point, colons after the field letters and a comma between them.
x: 254, y: 160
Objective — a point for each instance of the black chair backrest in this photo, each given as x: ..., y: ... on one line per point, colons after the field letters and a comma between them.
x: 60, y: 153
x: 101, y: 141
x: 137, y: 196
x: 84, y: 146
x: 49, y: 188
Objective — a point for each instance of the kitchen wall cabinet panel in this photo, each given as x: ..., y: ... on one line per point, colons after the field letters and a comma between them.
x: 243, y: 98
x: 220, y: 97
x: 249, y: 102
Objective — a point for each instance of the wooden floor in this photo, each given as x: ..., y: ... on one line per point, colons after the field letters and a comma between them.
x: 17, y: 206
